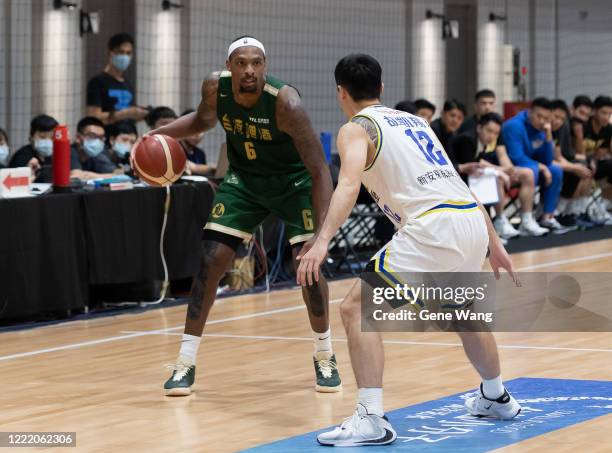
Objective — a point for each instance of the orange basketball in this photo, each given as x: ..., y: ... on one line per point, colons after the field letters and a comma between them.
x: 159, y: 160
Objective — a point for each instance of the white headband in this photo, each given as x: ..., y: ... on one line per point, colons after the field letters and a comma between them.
x: 246, y: 41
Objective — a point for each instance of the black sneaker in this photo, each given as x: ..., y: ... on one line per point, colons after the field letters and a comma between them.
x: 584, y: 222
x: 567, y: 220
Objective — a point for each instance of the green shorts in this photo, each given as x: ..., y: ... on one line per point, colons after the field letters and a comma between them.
x: 243, y: 202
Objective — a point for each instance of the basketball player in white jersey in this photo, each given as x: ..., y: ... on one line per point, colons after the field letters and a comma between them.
x: 441, y: 228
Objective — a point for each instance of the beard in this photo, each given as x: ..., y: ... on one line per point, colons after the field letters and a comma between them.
x: 248, y: 89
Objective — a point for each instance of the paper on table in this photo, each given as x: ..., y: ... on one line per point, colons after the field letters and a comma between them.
x: 484, y: 187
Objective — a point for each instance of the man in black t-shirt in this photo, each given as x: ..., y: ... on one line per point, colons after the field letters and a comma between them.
x: 582, y: 108
x: 472, y: 152
x: 37, y: 154
x: 447, y: 125
x: 110, y: 97
x: 484, y: 102
x: 597, y: 146
x: 577, y: 176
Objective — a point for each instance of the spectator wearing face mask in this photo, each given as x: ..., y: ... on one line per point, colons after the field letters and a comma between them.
x: 121, y: 138
x: 447, y: 125
x: 196, y: 157
x: 37, y: 154
x: 4, y: 149
x: 110, y: 96
x: 87, y: 157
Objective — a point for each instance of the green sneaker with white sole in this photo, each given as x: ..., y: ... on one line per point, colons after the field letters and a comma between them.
x: 183, y: 377
x: 326, y: 369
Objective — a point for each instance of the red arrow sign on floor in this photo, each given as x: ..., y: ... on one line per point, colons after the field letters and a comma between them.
x: 11, y: 181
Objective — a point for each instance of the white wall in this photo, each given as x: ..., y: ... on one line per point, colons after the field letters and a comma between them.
x: 158, y: 54
x: 61, y: 64
x: 428, y: 57
x: 585, y: 48
x: 490, y: 39
x: 19, y: 83
x: 544, y: 35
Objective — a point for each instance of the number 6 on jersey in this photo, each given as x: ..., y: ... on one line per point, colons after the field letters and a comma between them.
x: 250, y: 150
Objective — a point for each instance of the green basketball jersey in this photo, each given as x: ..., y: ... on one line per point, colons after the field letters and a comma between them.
x: 255, y: 146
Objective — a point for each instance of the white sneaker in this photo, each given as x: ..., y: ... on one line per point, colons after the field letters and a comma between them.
x: 555, y: 227
x: 504, y: 408
x: 504, y: 228
x: 530, y: 227
x: 359, y: 430
x: 599, y: 213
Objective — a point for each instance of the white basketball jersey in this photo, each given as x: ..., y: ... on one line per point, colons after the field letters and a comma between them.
x: 411, y: 173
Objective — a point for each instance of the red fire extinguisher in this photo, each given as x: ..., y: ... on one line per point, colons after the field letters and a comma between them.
x: 61, y: 159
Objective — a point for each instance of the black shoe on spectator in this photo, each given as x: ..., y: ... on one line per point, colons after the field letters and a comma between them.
x: 555, y: 227
x: 584, y: 222
x: 567, y: 220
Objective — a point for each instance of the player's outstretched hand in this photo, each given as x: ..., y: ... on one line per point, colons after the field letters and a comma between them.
x: 310, y: 257
x: 499, y: 259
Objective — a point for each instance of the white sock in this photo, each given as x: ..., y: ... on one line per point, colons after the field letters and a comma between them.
x: 322, y: 341
x: 564, y: 206
x: 189, y: 347
x: 526, y: 217
x: 372, y: 399
x: 581, y: 205
x: 493, y: 388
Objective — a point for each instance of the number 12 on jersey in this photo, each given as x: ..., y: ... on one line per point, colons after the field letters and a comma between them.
x: 433, y: 156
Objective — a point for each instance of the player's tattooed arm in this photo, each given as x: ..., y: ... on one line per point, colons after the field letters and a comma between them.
x: 369, y: 127
x: 205, y: 118
x: 292, y: 119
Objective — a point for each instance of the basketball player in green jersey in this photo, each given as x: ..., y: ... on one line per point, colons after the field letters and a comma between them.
x: 276, y: 165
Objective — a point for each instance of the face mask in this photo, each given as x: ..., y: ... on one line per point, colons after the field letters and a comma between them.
x: 122, y: 149
x: 44, y: 146
x: 121, y: 61
x: 4, y: 154
x: 93, y: 147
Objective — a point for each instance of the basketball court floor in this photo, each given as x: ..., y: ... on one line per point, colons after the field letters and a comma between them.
x: 102, y: 378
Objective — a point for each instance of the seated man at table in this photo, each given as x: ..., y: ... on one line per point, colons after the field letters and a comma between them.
x: 87, y: 157
x: 471, y: 153
x: 121, y: 138
x: 37, y: 154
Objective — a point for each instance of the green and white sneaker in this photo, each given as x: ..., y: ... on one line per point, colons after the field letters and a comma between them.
x: 328, y: 378
x: 183, y: 377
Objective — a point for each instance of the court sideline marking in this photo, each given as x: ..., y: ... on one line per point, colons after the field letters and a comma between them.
x: 344, y: 340
x: 253, y: 315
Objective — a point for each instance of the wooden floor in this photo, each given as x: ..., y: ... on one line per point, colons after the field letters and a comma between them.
x: 102, y: 378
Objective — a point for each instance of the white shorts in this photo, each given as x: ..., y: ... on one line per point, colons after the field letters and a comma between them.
x: 447, y: 241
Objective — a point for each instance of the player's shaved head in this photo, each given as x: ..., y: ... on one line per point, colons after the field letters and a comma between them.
x: 360, y: 75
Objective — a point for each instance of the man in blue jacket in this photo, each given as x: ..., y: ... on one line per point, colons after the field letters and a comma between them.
x: 528, y: 139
